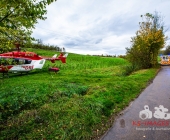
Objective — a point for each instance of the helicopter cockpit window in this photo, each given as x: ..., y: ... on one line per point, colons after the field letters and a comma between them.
x: 17, y: 61
x: 21, y: 61
x: 27, y: 61
x: 14, y: 61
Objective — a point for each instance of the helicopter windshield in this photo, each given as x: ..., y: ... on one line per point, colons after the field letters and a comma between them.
x: 21, y: 61
x: 14, y: 61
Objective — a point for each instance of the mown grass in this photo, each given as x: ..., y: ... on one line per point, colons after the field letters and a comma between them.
x: 75, y: 103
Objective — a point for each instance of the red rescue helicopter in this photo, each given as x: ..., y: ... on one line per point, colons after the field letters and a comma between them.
x: 21, y: 61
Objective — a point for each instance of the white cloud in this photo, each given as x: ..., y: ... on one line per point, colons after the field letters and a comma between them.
x: 96, y: 26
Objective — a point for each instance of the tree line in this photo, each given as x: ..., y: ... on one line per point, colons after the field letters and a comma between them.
x: 40, y: 45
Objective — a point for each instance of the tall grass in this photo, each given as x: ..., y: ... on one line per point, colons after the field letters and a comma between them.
x: 75, y: 61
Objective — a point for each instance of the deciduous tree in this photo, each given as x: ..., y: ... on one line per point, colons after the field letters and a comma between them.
x: 17, y: 19
x: 149, y: 39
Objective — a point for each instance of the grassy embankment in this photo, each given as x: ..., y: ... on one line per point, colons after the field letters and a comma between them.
x: 75, y: 103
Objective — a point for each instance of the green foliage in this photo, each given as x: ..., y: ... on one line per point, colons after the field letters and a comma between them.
x: 128, y: 69
x: 147, y: 42
x: 17, y: 18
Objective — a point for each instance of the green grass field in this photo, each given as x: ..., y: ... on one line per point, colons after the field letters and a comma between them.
x: 74, y: 104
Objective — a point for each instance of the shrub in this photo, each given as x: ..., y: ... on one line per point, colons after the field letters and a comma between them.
x: 128, y: 69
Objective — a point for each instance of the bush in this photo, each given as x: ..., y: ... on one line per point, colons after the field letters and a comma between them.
x: 148, y: 41
x: 128, y: 69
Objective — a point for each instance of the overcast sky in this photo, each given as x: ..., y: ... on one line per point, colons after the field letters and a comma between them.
x: 97, y: 26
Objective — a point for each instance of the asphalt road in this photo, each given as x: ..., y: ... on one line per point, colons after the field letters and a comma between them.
x: 148, y: 117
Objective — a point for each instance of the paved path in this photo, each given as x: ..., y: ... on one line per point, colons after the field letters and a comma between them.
x: 130, y: 126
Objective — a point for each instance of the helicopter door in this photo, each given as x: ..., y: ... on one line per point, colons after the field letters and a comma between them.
x: 17, y: 65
